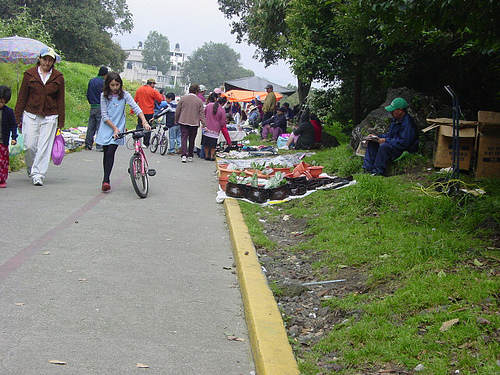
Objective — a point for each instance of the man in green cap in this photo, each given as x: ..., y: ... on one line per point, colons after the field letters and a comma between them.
x: 402, y: 136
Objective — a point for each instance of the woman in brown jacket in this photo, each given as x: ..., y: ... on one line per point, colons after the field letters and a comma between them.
x: 40, y: 111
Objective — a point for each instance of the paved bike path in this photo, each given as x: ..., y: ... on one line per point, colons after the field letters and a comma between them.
x: 104, y: 281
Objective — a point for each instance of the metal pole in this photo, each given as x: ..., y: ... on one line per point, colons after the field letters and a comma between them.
x: 456, y: 134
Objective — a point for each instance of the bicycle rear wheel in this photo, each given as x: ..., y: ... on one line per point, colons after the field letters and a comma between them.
x: 163, y: 144
x: 138, y: 176
x: 154, y: 143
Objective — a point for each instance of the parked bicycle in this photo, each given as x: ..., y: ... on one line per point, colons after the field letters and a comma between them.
x: 139, y: 168
x: 160, y: 138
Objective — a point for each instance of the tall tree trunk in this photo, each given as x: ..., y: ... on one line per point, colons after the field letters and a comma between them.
x: 358, y: 77
x: 303, y: 90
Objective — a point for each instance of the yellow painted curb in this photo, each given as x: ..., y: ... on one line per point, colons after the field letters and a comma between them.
x: 271, y: 350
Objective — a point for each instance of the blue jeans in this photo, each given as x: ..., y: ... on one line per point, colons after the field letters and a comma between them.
x: 378, y: 156
x: 174, y: 138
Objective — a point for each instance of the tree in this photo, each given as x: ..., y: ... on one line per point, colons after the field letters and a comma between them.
x: 435, y: 43
x: 110, y: 54
x: 368, y: 46
x: 156, y: 52
x: 25, y: 25
x: 213, y: 64
x: 262, y: 23
x: 76, y: 28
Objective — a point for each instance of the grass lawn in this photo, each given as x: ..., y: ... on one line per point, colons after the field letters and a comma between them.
x: 427, y: 259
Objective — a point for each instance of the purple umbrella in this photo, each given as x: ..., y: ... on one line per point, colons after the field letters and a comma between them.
x: 25, y: 50
x: 18, y: 49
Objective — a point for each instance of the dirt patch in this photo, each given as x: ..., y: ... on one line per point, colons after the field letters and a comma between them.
x: 306, y: 320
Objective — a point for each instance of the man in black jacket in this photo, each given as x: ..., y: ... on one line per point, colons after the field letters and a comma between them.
x: 94, y: 90
x: 275, y: 125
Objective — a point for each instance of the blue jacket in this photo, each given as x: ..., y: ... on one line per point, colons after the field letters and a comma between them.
x: 9, y: 125
x: 169, y: 112
x: 403, y: 134
x: 94, y: 90
x: 275, y: 121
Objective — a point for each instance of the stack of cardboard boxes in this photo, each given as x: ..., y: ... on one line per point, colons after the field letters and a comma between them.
x: 443, y: 150
x: 479, y: 144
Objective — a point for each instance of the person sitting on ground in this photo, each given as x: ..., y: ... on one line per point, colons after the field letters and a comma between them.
x: 288, y: 111
x: 275, y: 125
x: 253, y: 116
x: 318, y: 130
x: 302, y: 138
x: 402, y: 136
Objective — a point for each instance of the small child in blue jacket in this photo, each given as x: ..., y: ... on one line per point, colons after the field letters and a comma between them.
x: 8, y: 128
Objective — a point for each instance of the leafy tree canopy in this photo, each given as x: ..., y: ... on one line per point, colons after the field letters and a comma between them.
x: 81, y: 30
x: 156, y: 52
x: 24, y: 25
x: 213, y: 64
x: 260, y: 23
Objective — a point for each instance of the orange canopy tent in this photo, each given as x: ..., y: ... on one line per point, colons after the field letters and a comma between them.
x: 247, y: 96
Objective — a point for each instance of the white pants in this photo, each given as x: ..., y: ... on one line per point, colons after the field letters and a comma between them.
x: 38, y: 135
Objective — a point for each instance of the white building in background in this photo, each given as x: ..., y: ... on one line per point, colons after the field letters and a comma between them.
x: 134, y: 68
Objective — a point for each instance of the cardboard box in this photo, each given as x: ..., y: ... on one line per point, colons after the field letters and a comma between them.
x: 489, y: 118
x: 443, y: 152
x: 488, y: 156
x: 488, y: 145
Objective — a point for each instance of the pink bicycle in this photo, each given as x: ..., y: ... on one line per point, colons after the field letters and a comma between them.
x: 139, y: 168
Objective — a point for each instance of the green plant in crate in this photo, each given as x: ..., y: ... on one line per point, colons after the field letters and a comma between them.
x: 276, y: 181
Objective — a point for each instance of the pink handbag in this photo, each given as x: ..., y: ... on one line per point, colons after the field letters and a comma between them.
x: 58, y: 149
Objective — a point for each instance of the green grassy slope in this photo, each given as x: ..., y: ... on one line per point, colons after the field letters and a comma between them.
x: 76, y: 77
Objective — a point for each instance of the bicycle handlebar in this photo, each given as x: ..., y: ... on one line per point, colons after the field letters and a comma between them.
x: 136, y: 131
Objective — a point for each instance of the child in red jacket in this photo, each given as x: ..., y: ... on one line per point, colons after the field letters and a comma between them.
x: 8, y: 127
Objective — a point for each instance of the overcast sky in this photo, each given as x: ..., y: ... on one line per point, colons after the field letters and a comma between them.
x: 191, y: 23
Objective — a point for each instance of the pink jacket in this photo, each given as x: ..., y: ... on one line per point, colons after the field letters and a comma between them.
x: 215, y: 122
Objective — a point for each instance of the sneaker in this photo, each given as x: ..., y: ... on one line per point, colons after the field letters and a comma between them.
x: 105, y: 186
x: 3, y: 185
x: 88, y: 148
x: 190, y: 158
x: 37, y: 181
x: 184, y: 159
x: 28, y: 171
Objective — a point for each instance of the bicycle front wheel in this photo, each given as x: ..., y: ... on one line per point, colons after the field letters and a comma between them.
x: 163, y: 144
x: 139, y: 176
x: 154, y: 143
